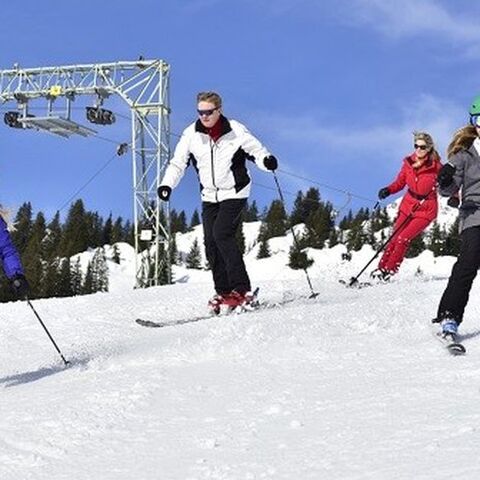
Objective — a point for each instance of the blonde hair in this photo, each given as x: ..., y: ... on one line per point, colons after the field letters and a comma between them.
x: 6, y: 214
x: 427, y: 138
x: 211, y: 97
x: 462, y: 140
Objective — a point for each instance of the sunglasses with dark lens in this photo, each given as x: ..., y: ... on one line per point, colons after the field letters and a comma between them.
x: 421, y: 147
x: 206, y: 113
x: 475, y: 120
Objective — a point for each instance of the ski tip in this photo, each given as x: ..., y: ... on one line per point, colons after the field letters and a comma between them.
x: 353, y: 283
x: 457, y: 349
x: 148, y: 323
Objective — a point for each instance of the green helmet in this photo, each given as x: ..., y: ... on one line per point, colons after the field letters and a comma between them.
x: 475, y: 107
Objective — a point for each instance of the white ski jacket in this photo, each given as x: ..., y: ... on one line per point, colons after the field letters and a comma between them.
x: 220, y: 165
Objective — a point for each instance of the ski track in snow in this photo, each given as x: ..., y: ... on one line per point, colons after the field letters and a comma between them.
x: 349, y: 385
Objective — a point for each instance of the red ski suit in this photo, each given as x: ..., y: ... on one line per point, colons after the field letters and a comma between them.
x: 413, y: 216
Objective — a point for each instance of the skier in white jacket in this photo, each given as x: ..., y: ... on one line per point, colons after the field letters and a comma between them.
x: 218, y: 149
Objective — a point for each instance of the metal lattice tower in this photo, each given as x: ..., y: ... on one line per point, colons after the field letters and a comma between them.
x: 144, y: 86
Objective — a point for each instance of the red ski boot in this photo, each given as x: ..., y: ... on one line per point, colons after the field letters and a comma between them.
x: 216, y: 302
x: 239, y: 301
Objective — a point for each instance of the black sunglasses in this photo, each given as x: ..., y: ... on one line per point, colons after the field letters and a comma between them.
x: 206, y: 113
x: 421, y: 147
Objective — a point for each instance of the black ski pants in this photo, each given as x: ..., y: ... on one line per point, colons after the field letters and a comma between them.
x: 455, y: 297
x: 220, y: 223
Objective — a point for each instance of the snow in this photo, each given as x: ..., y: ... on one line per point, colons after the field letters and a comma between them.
x: 349, y: 385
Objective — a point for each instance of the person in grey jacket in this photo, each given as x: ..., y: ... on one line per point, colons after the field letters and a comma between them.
x: 462, y: 172
x: 219, y: 148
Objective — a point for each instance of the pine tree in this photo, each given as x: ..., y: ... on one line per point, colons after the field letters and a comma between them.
x: 182, y: 222
x: 275, y: 222
x: 436, y: 240
x: 452, y: 240
x: 304, y: 206
x: 65, y: 279
x: 53, y: 238
x: 251, y: 213
x: 319, y: 224
x: 165, y: 269
x: 117, y: 231
x: 116, y: 254
x: 94, y: 229
x: 333, y: 238
x: 34, y: 254
x: 174, y: 255
x: 194, y: 258
x: 76, y: 278
x: 264, y: 249
x: 87, y: 286
x: 195, y: 219
x: 107, y: 231
x: 76, y: 234
x: 99, y: 271
x: 355, y: 237
x: 50, y: 283
x: 23, y: 226
x: 298, y: 259
x: 416, y: 247
x: 178, y: 222
x: 298, y: 214
x: 346, y: 222
x: 128, y: 233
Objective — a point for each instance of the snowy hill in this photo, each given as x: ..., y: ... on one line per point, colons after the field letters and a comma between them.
x: 325, y: 388
x: 348, y: 385
x: 327, y: 261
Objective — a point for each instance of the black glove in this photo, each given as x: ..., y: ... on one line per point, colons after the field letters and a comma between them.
x: 164, y: 192
x: 270, y: 162
x: 383, y: 193
x: 20, y: 286
x: 445, y: 176
x: 453, y: 201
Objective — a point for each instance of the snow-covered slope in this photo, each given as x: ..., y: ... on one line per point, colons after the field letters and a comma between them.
x: 348, y: 385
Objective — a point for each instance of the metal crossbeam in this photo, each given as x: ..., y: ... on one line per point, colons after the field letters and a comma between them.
x: 144, y: 86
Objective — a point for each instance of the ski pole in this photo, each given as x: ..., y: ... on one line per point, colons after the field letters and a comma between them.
x: 297, y: 244
x: 66, y: 362
x: 354, y: 280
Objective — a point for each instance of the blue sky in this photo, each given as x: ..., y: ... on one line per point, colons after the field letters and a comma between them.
x: 334, y: 88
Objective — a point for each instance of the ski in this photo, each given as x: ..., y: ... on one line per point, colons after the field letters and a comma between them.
x: 352, y: 283
x: 453, y: 346
x: 450, y: 342
x: 258, y: 306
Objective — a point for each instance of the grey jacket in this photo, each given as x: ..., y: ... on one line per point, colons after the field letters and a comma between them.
x: 466, y: 179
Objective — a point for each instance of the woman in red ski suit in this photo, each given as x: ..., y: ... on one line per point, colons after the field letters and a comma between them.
x: 419, y: 206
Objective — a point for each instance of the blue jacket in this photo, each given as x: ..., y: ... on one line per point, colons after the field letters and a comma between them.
x: 11, y: 262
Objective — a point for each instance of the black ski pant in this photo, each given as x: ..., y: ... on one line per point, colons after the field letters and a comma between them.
x: 455, y: 297
x: 220, y: 223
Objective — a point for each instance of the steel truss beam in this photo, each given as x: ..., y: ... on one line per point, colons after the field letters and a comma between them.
x: 144, y: 86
